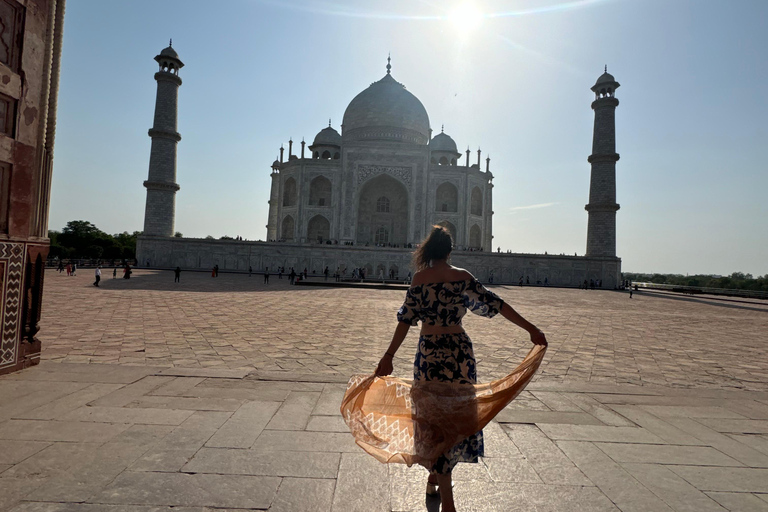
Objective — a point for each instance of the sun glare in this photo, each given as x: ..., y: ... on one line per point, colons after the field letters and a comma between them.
x: 466, y: 16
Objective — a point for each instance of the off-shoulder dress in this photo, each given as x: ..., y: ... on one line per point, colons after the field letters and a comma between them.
x: 448, y: 357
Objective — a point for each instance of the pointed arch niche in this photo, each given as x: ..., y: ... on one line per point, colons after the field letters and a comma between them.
x: 383, y: 204
x: 320, y: 191
x: 476, y: 202
x: 447, y: 198
x: 289, y: 192
x: 287, y: 228
x: 318, y: 229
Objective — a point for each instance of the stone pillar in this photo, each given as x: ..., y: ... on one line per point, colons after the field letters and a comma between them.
x: 161, y: 184
x: 488, y: 215
x: 274, y: 199
x: 602, y: 207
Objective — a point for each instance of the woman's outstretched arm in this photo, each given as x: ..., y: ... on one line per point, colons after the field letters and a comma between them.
x: 385, y: 365
x: 537, y: 337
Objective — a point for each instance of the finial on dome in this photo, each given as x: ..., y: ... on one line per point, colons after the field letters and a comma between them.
x: 442, y: 128
x: 329, y: 122
x: 171, y: 42
x: 388, y: 64
x: 606, y: 68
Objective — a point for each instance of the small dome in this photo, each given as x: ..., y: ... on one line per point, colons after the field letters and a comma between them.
x: 169, y: 52
x: 386, y: 110
x: 443, y: 142
x: 605, y: 78
x: 276, y: 163
x: 327, y: 137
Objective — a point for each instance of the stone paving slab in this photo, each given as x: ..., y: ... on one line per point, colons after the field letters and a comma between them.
x: 673, y: 490
x: 739, y: 501
x: 724, y: 479
x: 179, y: 489
x: 666, y: 454
x: 227, y: 461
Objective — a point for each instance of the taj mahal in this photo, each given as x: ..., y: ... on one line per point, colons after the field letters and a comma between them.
x: 364, y: 197
x: 381, y: 182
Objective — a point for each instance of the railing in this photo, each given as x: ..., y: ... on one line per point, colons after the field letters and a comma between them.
x: 695, y: 290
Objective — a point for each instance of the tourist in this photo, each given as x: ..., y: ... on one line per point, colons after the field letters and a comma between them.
x: 127, y: 271
x: 98, y: 276
x: 114, y: 272
x: 250, y: 270
x: 74, y: 268
x: 325, y: 272
x: 266, y: 275
x: 280, y: 272
x: 292, y: 276
x: 69, y: 269
x: 216, y: 270
x: 61, y: 266
x: 177, y: 275
x: 439, y: 297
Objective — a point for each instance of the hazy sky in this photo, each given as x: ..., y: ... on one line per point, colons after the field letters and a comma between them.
x: 692, y: 181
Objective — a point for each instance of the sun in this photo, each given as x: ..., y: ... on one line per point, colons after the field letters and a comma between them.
x: 466, y: 16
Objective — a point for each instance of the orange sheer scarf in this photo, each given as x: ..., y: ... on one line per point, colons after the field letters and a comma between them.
x: 414, y: 422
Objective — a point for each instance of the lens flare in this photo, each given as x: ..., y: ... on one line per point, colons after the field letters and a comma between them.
x: 466, y: 16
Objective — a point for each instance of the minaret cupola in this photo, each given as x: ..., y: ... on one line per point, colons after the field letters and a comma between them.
x: 169, y: 60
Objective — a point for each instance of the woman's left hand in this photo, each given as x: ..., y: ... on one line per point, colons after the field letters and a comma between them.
x: 538, y: 338
x: 385, y: 366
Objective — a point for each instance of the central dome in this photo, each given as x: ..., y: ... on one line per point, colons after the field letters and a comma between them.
x: 386, y: 111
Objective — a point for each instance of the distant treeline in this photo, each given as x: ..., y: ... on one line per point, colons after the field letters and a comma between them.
x: 736, y: 281
x: 81, y: 239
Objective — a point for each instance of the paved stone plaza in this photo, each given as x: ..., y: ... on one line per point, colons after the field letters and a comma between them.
x: 224, y: 393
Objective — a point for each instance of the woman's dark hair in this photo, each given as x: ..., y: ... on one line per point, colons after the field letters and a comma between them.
x: 437, y: 246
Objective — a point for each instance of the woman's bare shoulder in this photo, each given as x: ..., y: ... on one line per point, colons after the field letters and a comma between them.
x: 420, y: 277
x: 460, y: 274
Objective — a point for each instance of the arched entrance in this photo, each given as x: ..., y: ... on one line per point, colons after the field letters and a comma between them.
x: 475, y: 237
x: 383, y: 212
x: 287, y: 229
x: 318, y: 229
x: 320, y: 191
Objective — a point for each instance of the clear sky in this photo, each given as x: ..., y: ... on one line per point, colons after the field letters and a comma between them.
x: 692, y: 181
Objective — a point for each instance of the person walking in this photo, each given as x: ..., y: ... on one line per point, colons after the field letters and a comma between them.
x: 250, y: 270
x: 266, y: 275
x: 61, y: 266
x: 439, y: 297
x: 114, y: 272
x: 69, y: 269
x: 74, y: 269
x: 177, y: 275
x: 127, y: 271
x: 98, y: 276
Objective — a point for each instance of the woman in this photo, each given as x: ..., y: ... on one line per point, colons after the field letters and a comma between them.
x: 439, y: 296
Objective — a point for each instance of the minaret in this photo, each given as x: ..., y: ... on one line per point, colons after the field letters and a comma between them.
x: 161, y: 184
x: 602, y: 207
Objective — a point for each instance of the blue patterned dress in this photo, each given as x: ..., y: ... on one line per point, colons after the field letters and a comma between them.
x: 448, y: 357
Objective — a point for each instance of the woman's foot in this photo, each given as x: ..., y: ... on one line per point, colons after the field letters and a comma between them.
x: 446, y: 496
x: 432, y: 489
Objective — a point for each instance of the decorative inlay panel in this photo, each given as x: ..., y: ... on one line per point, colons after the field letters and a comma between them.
x: 11, y: 272
x: 365, y: 172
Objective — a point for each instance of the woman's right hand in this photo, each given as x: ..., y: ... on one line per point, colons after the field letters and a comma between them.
x: 385, y: 366
x: 538, y: 338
